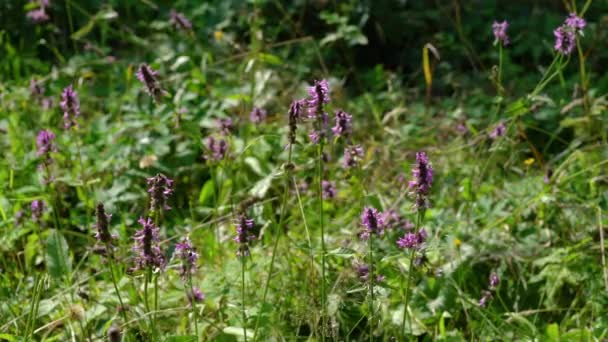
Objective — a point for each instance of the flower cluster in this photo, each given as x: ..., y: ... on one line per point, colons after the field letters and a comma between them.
x: 196, y: 295
x: 344, y: 124
x: 257, y: 115
x: 244, y: 234
x: 413, y: 240
x: 372, y: 222
x: 160, y: 187
x: 498, y: 131
x: 565, y: 35
x: 103, y: 233
x: 329, y: 189
x: 39, y: 14
x: 362, y: 271
x: 149, y: 77
x: 422, y: 180
x: 318, y: 95
x: 37, y: 208
x: 179, y: 20
x: 225, y: 125
x: 185, y: 252
x: 147, y: 249
x: 45, y: 143
x: 70, y: 106
x: 217, y: 149
x: 352, y: 156
x: 487, y: 296
x: 295, y: 115
x: 500, y: 32
x: 37, y: 92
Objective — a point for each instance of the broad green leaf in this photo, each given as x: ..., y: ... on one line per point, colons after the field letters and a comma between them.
x: 553, y: 332
x: 57, y: 255
x: 207, y: 193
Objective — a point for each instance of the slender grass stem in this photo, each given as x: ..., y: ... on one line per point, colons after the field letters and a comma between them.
x: 410, y: 271
x: 243, y: 289
x: 371, y: 286
x: 111, y: 270
x: 193, y: 306
x: 323, y: 252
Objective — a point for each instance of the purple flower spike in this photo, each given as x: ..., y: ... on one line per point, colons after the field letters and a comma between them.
x: 179, y: 20
x: 363, y: 273
x: 500, y: 32
x: 318, y: 95
x: 499, y: 131
x: 37, y: 208
x: 160, y: 187
x: 352, y: 156
x: 485, y: 299
x: 257, y: 115
x: 103, y: 233
x: 575, y: 22
x: 146, y: 247
x: 216, y: 149
x: 197, y: 295
x: 344, y: 124
x: 225, y: 125
x: 45, y: 142
x: 185, y: 252
x: 244, y: 235
x: 38, y: 15
x: 565, y: 40
x: 329, y: 189
x: 70, y: 106
x: 372, y: 222
x: 413, y: 240
x: 422, y: 180
x: 494, y: 280
x: 295, y: 116
x: 148, y: 77
x: 314, y: 137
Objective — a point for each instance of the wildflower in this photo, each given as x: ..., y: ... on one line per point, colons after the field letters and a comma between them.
x: 344, y: 124
x: 494, y: 280
x: 225, y: 125
x: 103, y: 234
x: 45, y: 144
x: 352, y: 156
x: 318, y: 95
x: 575, y: 22
x: 485, y: 299
x: 37, y: 208
x: 179, y: 20
x: 500, y: 32
x: 423, y: 179
x: 314, y: 137
x: 413, y: 240
x: 70, y: 106
x: 185, y: 252
x: 160, y: 187
x: 390, y: 218
x: 148, y: 253
x: 39, y: 14
x: 148, y: 76
x: 295, y: 115
x: 217, y: 149
x: 36, y: 89
x: 329, y: 189
x: 257, y: 115
x: 498, y: 131
x: 244, y: 235
x: 196, y: 295
x: 372, y: 222
x: 363, y: 273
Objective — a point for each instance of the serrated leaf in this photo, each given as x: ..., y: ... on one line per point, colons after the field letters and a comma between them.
x: 57, y: 255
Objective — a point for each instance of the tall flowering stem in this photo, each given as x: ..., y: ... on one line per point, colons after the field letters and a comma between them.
x: 104, y: 237
x: 244, y: 236
x: 422, y: 174
x: 186, y: 253
x: 373, y: 224
x: 294, y: 116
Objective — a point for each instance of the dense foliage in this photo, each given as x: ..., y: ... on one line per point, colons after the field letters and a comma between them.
x: 303, y: 170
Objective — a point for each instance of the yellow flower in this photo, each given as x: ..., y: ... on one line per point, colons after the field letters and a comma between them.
x: 457, y: 242
x: 218, y: 35
x: 529, y: 161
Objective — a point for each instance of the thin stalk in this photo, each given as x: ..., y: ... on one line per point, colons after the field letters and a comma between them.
x: 243, y: 261
x: 193, y: 305
x: 584, y: 81
x: 409, y: 276
x: 276, y: 239
x: 320, y: 196
x: 371, y: 286
x: 155, y: 297
x: 499, y: 78
x: 111, y: 266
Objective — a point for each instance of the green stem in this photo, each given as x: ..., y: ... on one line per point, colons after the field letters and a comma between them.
x: 409, y: 276
x: 111, y: 270
x: 193, y: 305
x: 371, y: 287
x: 499, y: 79
x: 323, y: 252
x: 243, y: 261
x: 276, y: 239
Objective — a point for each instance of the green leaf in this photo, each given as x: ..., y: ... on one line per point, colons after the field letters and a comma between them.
x: 57, y: 255
x: 517, y: 108
x: 188, y: 338
x: 553, y: 332
x: 207, y: 193
x: 84, y: 30
x: 237, y: 331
